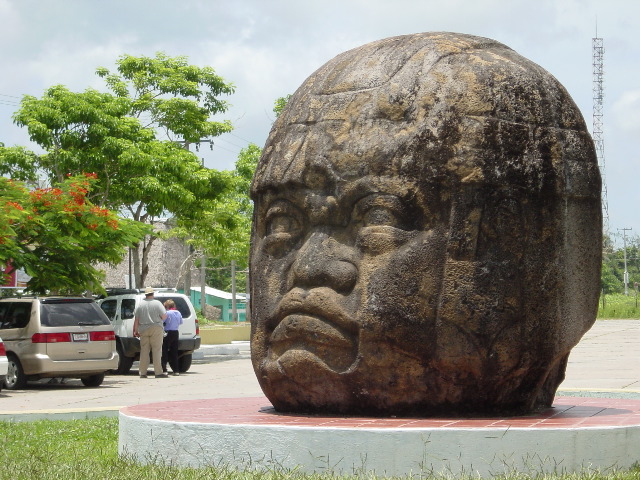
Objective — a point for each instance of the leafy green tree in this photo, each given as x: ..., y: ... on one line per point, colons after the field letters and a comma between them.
x: 612, y: 278
x: 238, y: 205
x: 609, y: 282
x: 56, y: 235
x: 134, y: 139
x: 176, y: 97
x: 219, y: 275
x: 279, y: 104
x: 230, y: 216
x: 18, y: 163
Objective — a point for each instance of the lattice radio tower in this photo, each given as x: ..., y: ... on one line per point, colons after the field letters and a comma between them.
x: 598, y: 136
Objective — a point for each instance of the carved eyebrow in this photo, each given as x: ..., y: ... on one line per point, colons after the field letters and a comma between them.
x: 379, y: 199
x: 353, y: 191
x: 386, y: 209
x: 279, y: 206
x: 275, y: 197
x: 348, y: 194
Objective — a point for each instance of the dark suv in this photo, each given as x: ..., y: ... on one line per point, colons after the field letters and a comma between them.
x: 49, y: 337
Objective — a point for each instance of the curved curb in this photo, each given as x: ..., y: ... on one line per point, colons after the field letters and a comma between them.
x: 59, y: 414
x: 93, y: 412
x: 576, y: 435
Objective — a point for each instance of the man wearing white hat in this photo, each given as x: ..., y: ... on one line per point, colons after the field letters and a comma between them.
x: 148, y: 327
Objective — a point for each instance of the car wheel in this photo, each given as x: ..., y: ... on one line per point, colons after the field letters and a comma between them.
x: 124, y: 362
x: 184, y: 362
x: 16, y: 379
x: 93, y: 380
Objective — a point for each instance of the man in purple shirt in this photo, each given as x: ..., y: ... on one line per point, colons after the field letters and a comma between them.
x: 170, y: 344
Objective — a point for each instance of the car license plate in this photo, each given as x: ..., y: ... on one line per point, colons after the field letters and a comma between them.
x: 81, y: 337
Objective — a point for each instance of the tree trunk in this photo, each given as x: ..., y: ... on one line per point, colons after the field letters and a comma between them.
x: 135, y: 257
x: 144, y: 264
x: 140, y: 254
x: 187, y: 274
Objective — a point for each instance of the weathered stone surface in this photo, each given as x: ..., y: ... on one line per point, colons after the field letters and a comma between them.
x: 427, y: 233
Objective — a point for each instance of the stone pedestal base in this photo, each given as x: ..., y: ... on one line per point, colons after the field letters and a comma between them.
x: 574, y: 435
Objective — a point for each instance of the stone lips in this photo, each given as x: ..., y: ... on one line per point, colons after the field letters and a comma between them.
x: 442, y: 193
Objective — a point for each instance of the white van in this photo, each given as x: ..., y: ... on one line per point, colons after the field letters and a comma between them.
x: 120, y: 306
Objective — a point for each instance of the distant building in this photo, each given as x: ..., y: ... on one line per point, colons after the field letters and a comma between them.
x: 165, y: 263
x: 165, y: 259
x: 222, y: 300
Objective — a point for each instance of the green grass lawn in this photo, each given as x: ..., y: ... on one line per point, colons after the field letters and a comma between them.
x: 80, y: 449
x: 88, y: 449
x: 619, y: 306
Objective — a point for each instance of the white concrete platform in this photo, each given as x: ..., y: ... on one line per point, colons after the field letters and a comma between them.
x: 576, y: 434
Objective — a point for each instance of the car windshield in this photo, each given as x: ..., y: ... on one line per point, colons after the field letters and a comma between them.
x: 67, y: 314
x: 181, y: 304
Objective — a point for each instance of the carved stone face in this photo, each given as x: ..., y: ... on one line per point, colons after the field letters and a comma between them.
x: 419, y: 238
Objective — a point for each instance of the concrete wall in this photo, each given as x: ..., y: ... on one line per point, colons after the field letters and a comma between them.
x: 165, y: 260
x: 221, y: 335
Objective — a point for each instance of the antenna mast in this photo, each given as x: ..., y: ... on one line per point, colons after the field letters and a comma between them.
x: 598, y: 136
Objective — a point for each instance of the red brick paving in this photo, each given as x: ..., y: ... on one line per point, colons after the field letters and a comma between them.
x: 566, y: 413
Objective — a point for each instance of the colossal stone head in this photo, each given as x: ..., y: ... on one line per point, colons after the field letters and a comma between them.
x: 427, y: 233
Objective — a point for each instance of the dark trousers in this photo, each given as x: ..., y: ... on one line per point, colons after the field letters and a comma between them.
x: 170, y: 350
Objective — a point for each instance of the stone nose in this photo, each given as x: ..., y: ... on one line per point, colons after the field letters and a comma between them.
x: 322, y: 261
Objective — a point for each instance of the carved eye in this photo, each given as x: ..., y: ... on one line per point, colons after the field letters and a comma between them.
x: 283, y: 226
x: 379, y: 215
x: 381, y: 210
x: 383, y: 222
x: 282, y: 223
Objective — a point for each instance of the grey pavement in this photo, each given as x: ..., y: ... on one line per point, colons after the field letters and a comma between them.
x: 605, y: 362
x: 607, y: 358
x: 217, y: 371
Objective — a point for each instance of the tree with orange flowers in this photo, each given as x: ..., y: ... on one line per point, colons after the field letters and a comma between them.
x: 57, y: 234
x: 134, y: 137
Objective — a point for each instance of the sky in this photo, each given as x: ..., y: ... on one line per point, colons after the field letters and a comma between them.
x: 267, y: 48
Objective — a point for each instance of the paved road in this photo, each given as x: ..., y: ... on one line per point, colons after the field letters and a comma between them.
x: 606, y: 360
x: 607, y: 357
x: 212, y: 375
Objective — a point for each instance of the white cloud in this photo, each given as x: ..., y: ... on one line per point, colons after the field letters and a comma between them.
x: 9, y: 16
x: 268, y: 48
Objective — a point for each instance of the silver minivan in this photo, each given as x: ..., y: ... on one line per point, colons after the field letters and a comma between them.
x: 4, y: 364
x: 56, y: 337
